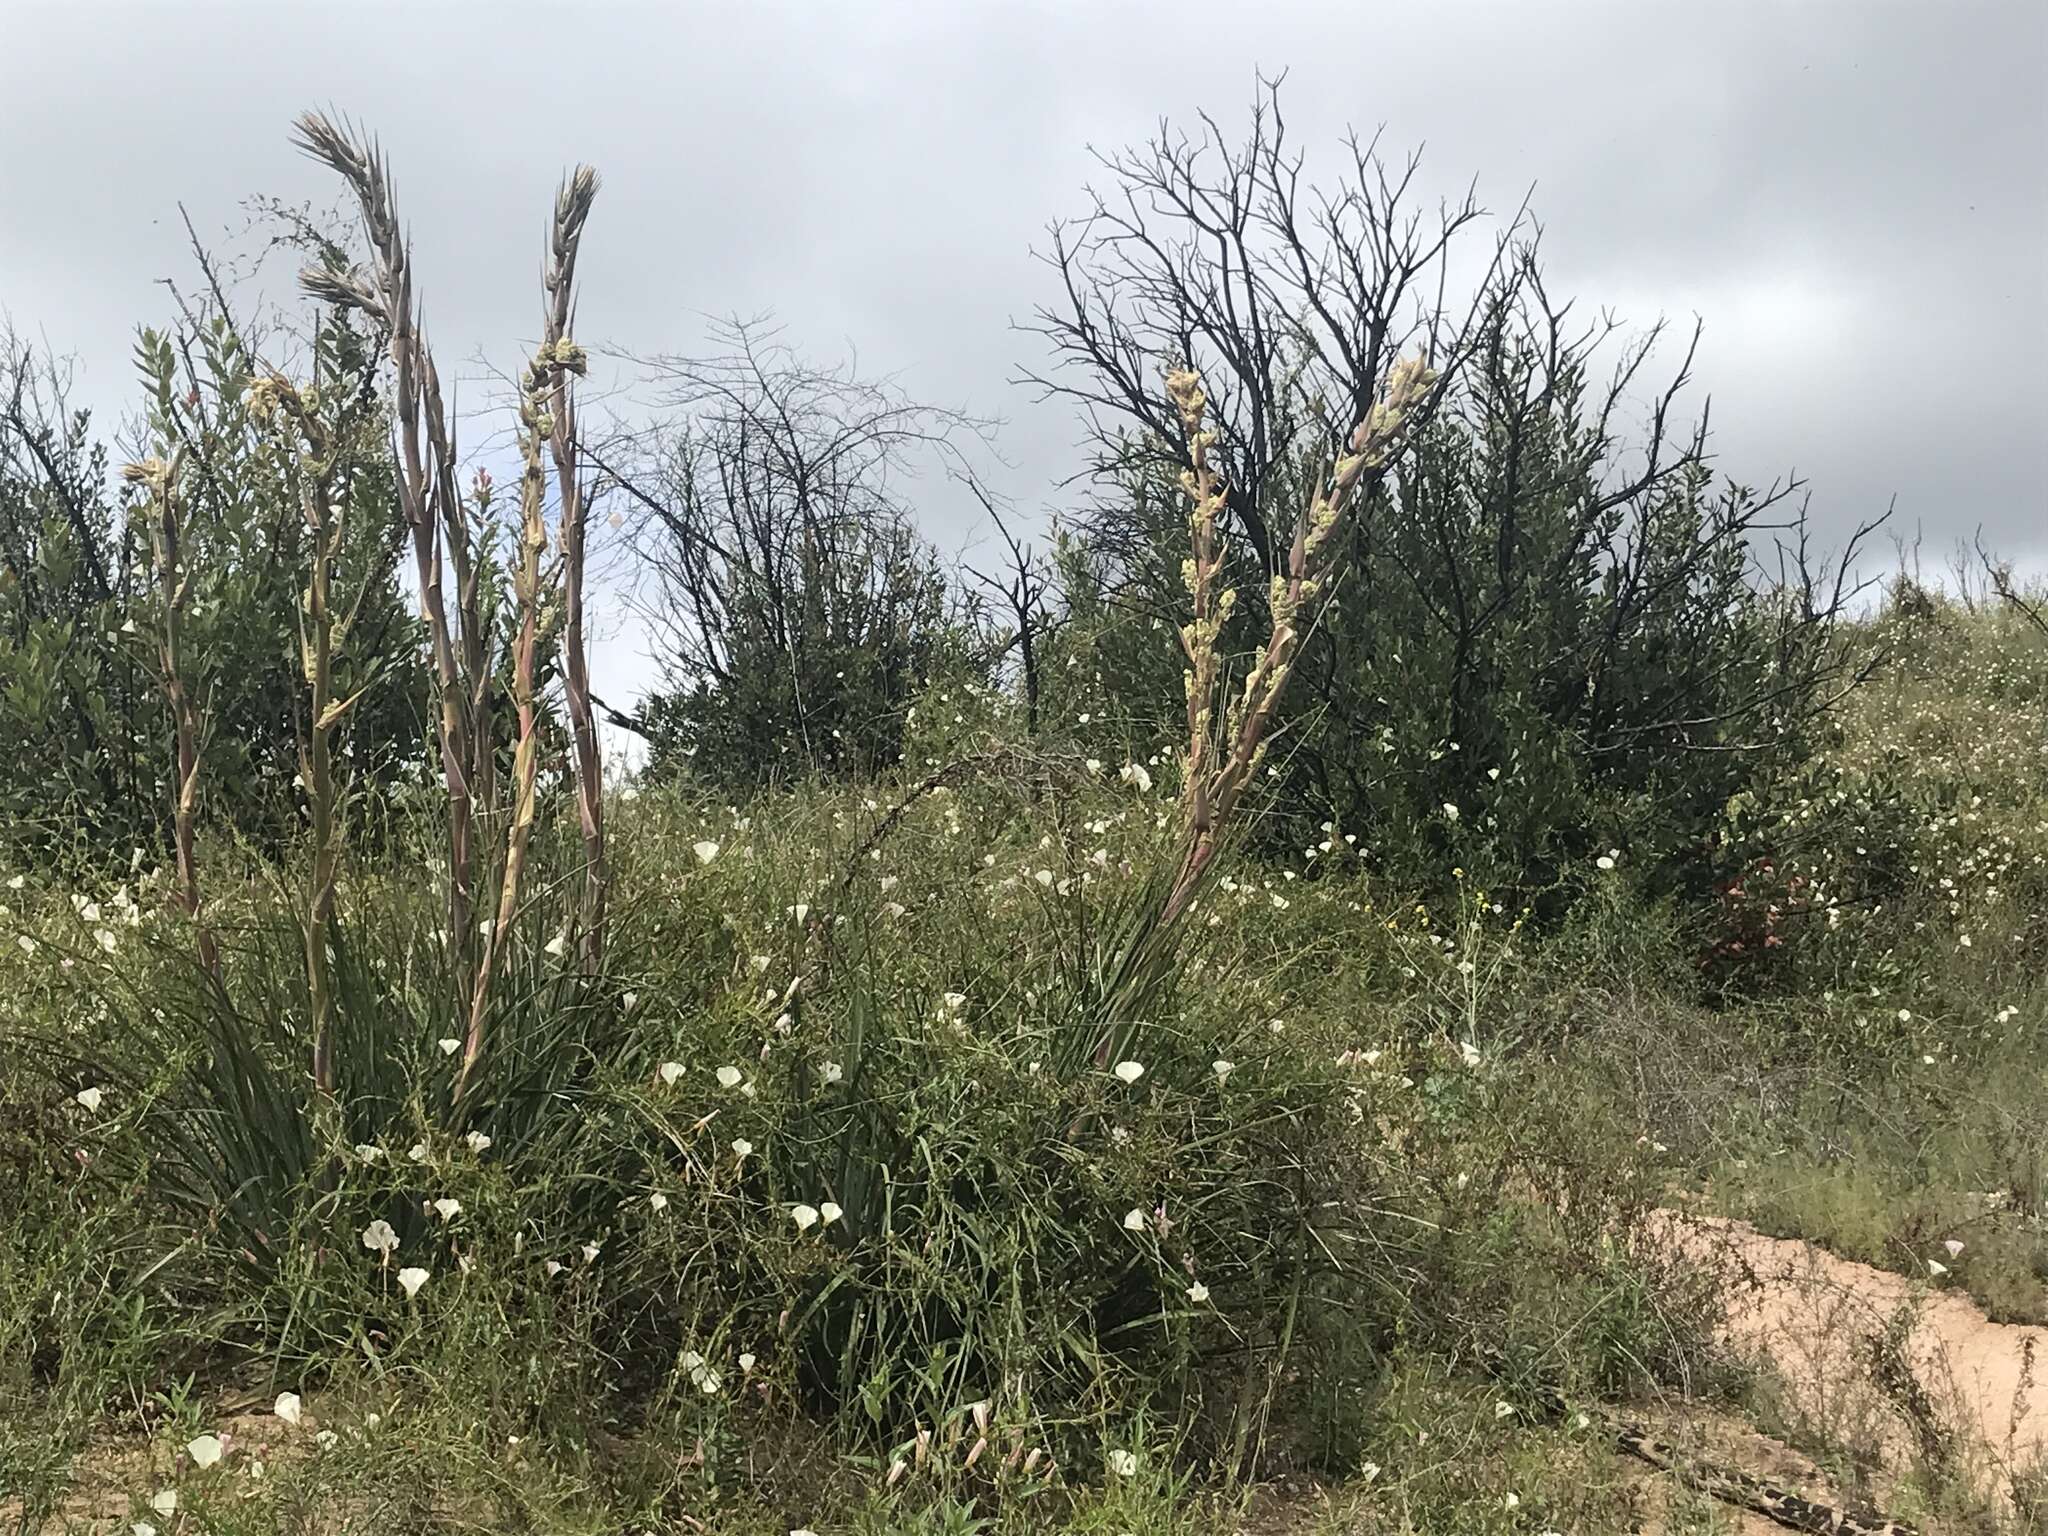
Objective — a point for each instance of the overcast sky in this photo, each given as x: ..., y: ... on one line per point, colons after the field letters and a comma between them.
x: 1852, y: 193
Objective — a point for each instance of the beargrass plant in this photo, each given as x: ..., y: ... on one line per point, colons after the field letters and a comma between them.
x: 1229, y: 724
x: 257, y: 1088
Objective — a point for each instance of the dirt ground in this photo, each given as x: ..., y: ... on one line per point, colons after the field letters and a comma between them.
x: 1814, y: 1320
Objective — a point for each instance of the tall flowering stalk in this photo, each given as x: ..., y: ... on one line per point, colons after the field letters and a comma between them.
x: 427, y: 500
x: 567, y: 361
x: 1228, y: 730
x: 159, y: 479
x: 313, y: 448
x: 543, y: 385
x: 464, y: 658
x: 529, y: 591
x: 1228, y: 734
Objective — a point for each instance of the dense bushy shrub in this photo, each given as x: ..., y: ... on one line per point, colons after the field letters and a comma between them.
x: 797, y: 607
x: 1918, y: 843
x: 76, y: 692
x: 79, y: 686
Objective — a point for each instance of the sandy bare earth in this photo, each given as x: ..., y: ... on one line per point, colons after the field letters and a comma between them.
x: 1811, y: 1317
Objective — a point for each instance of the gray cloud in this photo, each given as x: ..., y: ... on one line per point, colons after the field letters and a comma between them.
x: 1850, y: 194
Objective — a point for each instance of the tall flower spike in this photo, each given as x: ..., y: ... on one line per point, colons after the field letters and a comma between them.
x: 1221, y: 762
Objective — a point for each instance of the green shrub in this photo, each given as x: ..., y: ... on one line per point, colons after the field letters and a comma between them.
x: 798, y: 608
